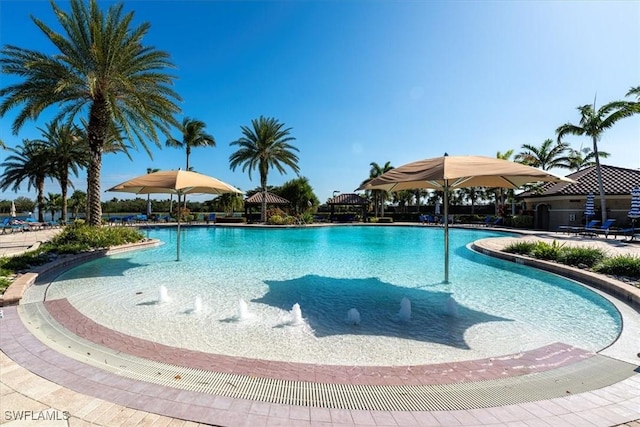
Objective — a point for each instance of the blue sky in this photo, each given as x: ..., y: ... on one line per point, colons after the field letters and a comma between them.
x: 372, y: 81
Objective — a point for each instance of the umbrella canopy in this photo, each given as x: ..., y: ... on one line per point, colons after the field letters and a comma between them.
x: 634, y: 212
x: 13, y: 209
x: 589, y: 207
x: 450, y: 172
x: 175, y: 182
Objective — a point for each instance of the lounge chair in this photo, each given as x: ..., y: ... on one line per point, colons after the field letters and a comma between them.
x: 603, y: 229
x: 629, y: 234
x: 573, y: 229
x: 210, y: 218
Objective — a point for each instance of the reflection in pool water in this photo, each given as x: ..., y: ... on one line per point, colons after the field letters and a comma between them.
x: 490, y: 307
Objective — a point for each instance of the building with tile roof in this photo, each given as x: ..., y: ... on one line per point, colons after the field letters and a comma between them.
x: 562, y: 203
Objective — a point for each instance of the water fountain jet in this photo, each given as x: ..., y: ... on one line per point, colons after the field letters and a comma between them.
x: 243, y: 310
x: 353, y: 316
x: 163, y: 295
x: 197, y: 305
x: 405, y: 310
x: 296, y: 315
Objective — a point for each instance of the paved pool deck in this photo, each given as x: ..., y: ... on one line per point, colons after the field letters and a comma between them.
x: 47, y: 386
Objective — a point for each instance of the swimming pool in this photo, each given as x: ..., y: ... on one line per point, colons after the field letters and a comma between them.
x: 490, y: 307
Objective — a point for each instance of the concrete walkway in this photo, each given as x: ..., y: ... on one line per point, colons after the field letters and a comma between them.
x: 21, y: 241
x: 44, y: 402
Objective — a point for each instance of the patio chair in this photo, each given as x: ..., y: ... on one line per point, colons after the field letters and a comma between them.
x: 210, y: 218
x: 572, y: 229
x: 628, y: 234
x: 603, y: 229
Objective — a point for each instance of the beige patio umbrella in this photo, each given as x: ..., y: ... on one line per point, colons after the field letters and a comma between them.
x: 450, y: 172
x: 175, y: 182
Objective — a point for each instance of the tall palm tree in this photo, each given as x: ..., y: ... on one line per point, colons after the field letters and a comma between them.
x: 67, y: 153
x: 593, y: 123
x: 101, y: 68
x: 379, y: 196
x: 193, y: 135
x: 29, y: 162
x: 264, y: 145
x: 547, y: 156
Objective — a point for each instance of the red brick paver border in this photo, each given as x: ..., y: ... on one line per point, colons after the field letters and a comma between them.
x: 541, y: 359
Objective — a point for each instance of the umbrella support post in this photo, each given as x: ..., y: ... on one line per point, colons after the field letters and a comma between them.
x: 446, y: 231
x: 178, y: 233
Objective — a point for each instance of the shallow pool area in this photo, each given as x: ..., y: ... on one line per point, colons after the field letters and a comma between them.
x: 234, y: 289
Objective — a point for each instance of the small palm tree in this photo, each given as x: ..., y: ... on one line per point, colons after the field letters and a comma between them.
x: 547, y: 156
x: 193, y: 135
x: 29, y: 162
x: 379, y: 196
x: 78, y: 202
x: 594, y: 123
x: 67, y: 153
x: 52, y: 203
x: 264, y: 145
x: 583, y: 158
x: 101, y: 67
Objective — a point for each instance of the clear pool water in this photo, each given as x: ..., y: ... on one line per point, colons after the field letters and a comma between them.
x: 500, y: 307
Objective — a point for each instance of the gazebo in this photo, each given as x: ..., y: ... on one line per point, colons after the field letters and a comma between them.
x: 348, y: 199
x: 256, y: 201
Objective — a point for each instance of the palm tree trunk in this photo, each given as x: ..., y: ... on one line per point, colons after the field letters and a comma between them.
x: 99, y: 118
x: 263, y: 208
x: 94, y: 214
x: 603, y: 202
x: 40, y: 202
x: 64, y: 183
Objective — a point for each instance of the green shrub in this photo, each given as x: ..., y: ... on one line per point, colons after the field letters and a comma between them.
x: 522, y: 221
x: 306, y: 218
x: 25, y: 260
x: 289, y: 220
x: 4, y: 283
x: 522, y: 248
x: 581, y: 256
x: 275, y: 220
x: 82, y: 237
x: 621, y: 265
x: 546, y: 251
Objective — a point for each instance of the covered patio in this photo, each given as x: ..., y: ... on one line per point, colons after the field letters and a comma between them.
x: 350, y: 200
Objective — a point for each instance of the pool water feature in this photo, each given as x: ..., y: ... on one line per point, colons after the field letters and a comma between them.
x: 489, y: 308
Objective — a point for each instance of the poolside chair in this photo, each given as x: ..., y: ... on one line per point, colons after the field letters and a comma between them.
x: 629, y: 234
x: 210, y: 218
x: 603, y: 229
x: 572, y: 229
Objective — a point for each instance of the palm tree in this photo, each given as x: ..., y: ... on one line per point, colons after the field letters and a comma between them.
x: 52, y: 203
x: 593, y: 123
x: 29, y: 162
x: 263, y: 146
x: 583, y: 158
x: 193, y: 135
x: 67, y: 152
x: 77, y: 201
x: 547, y: 156
x: 101, y: 67
x: 379, y: 196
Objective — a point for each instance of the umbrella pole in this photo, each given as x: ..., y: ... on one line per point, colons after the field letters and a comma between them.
x: 179, y: 215
x: 446, y: 231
